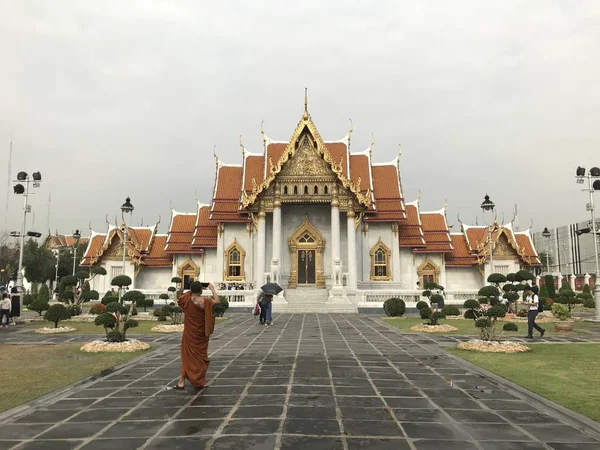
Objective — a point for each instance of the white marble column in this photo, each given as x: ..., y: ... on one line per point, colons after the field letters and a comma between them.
x: 260, y: 251
x: 335, y: 233
x: 396, y: 272
x: 351, y: 248
x: 220, y: 252
x: 276, y: 257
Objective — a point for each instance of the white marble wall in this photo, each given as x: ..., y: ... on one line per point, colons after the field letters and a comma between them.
x: 463, y: 278
x: 154, y: 278
x: 366, y: 243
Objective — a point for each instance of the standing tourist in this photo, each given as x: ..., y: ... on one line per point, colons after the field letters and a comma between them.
x: 266, y: 303
x: 532, y: 313
x: 5, y: 306
x: 15, y: 305
x: 199, y: 324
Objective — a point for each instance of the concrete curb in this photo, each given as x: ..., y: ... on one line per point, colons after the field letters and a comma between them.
x: 19, y: 411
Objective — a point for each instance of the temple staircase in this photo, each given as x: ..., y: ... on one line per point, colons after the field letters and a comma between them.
x: 311, y: 300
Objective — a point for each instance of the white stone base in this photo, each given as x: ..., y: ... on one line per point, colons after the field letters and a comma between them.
x: 337, y: 295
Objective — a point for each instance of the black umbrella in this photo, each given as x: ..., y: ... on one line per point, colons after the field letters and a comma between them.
x: 271, y: 289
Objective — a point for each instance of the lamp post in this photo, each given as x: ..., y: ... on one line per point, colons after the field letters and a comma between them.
x: 546, y: 234
x: 75, y: 246
x: 488, y: 205
x: 126, y: 207
x: 19, y: 189
x: 593, y: 174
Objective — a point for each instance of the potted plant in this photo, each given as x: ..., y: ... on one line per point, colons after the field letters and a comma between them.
x: 562, y: 315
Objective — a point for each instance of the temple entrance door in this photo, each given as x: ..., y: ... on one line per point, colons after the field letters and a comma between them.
x: 306, y: 266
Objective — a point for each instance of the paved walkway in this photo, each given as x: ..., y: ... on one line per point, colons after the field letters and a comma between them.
x: 307, y: 382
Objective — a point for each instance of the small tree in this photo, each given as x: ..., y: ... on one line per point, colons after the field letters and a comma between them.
x: 44, y: 293
x: 164, y: 297
x: 566, y: 296
x: 486, y: 317
x: 39, y: 305
x: 73, y: 289
x: 56, y: 313
x: 28, y: 299
x: 116, y: 322
x: 178, y: 288
x: 121, y: 281
x: 511, y: 297
x: 549, y: 283
x: 138, y: 298
x: 433, y: 292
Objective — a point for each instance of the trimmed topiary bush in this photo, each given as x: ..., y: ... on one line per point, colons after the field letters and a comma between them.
x: 223, y: 305
x: 471, y: 304
x: 164, y: 297
x: 549, y: 283
x: 589, y: 303
x: 56, y: 313
x: 74, y: 310
x: 451, y: 310
x: 496, y: 278
x: 394, y: 307
x: 90, y: 295
x: 28, y: 299
x: 510, y: 326
x: 421, y: 304
x: 116, y: 321
x: 437, y: 299
x: 426, y: 312
x: 39, y: 305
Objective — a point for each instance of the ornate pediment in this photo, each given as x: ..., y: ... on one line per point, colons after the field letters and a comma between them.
x: 306, y: 163
x: 503, y: 249
x: 320, y: 162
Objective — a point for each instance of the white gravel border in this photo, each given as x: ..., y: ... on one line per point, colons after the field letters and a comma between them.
x: 442, y: 328
x: 131, y: 345
x: 52, y: 330
x: 167, y: 328
x: 477, y: 345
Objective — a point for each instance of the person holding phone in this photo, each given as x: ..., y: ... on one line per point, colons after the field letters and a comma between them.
x: 199, y: 323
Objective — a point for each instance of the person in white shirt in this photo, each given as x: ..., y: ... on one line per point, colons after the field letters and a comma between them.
x: 5, y: 306
x: 533, y: 303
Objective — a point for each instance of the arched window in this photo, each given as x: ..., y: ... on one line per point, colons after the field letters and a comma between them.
x: 380, y: 262
x: 295, y: 190
x: 316, y: 189
x: 234, y: 260
x: 325, y: 190
x: 285, y: 190
x: 428, y: 272
x: 305, y: 189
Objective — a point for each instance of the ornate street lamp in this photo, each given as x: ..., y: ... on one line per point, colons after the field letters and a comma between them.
x: 75, y: 246
x: 546, y: 234
x: 126, y: 207
x: 488, y: 205
x: 593, y: 178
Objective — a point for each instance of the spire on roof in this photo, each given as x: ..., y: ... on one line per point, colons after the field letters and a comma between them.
x: 305, y: 104
x: 243, y: 148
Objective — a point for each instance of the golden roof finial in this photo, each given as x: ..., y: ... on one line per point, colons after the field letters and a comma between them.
x: 242, y: 147
x: 215, y: 155
x: 305, y: 103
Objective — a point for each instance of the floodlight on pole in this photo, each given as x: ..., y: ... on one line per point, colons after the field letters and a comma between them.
x: 593, y: 178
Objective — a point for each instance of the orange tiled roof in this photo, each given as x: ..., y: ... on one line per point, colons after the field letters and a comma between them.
x: 54, y: 241
x: 525, y: 243
x: 436, y: 232
x: 96, y: 242
x: 226, y: 199
x: 476, y: 237
x: 360, y: 168
x: 410, y: 233
x: 389, y: 203
x: 461, y: 255
x: 274, y: 152
x: 205, y: 230
x: 339, y: 151
x: 181, y: 230
x: 157, y: 256
x: 254, y: 168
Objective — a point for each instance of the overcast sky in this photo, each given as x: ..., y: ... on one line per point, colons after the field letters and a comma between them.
x: 116, y: 98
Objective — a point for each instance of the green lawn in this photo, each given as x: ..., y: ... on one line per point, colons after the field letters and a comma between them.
x: 30, y: 371
x: 467, y: 327
x: 563, y: 373
x: 89, y: 327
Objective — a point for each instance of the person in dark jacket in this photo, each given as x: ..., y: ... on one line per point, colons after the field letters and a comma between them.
x: 265, y: 301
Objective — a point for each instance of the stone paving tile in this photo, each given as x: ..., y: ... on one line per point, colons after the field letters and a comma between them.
x: 309, y: 381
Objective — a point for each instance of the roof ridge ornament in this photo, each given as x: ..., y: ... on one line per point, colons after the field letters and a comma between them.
x: 305, y: 117
x: 217, y: 161
x: 242, y: 147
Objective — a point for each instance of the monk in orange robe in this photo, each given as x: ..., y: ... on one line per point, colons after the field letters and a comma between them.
x: 199, y: 324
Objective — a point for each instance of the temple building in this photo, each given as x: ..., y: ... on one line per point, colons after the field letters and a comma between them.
x: 325, y: 223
